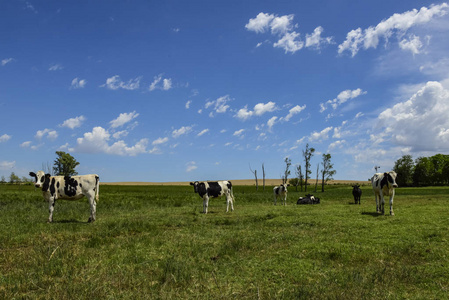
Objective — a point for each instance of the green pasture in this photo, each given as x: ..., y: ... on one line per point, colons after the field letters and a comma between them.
x: 153, y: 242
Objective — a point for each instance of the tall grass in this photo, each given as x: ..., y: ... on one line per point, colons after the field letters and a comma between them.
x: 153, y: 242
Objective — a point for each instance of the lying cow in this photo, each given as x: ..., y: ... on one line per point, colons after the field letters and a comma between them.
x: 383, y: 185
x: 280, y: 192
x: 308, y: 199
x: 357, y: 193
x: 68, y: 188
x: 215, y: 189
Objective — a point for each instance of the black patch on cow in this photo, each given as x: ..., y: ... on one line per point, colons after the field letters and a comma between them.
x: 229, y: 185
x: 46, y: 180
x: 214, y: 189
x: 70, y: 186
x: 276, y: 190
x: 57, y: 184
x: 386, y: 179
x: 52, y: 187
x: 200, y: 188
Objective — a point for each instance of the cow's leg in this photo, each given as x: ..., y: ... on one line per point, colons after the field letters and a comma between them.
x: 391, y: 204
x: 205, y: 203
x: 51, y: 208
x: 93, y: 208
x: 285, y: 199
x: 229, y: 201
x: 382, y: 204
x: 376, y: 196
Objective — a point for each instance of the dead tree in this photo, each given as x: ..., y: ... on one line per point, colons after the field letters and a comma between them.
x: 255, y: 175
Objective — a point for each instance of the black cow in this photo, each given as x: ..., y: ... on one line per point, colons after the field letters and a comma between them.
x: 357, y: 193
x: 215, y: 189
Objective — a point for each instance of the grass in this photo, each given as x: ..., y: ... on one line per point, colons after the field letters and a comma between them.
x: 153, y: 242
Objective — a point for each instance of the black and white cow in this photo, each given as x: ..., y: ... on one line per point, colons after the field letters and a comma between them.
x: 383, y: 185
x: 215, y: 189
x: 280, y: 192
x: 357, y: 193
x: 308, y: 199
x: 68, y: 188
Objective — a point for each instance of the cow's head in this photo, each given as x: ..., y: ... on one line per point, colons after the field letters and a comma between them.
x: 391, y: 178
x: 283, y: 186
x: 195, y: 186
x: 41, y: 180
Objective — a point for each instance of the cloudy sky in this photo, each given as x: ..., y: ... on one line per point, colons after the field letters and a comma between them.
x: 202, y: 90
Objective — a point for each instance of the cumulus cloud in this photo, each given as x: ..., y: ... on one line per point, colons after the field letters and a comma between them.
x: 341, y: 98
x: 283, y: 28
x: 115, y: 83
x: 320, y: 136
x: 271, y: 122
x: 4, y: 138
x: 413, y: 44
x: 73, y: 123
x: 293, y: 111
x: 97, y: 141
x: 203, y: 132
x: 239, y: 133
x: 420, y: 123
x: 50, y: 133
x: 181, y: 131
x: 219, y: 106
x: 259, y: 109
x: 160, y: 141
x: 397, y: 23
x: 123, y: 118
x: 160, y: 83
x: 78, y: 83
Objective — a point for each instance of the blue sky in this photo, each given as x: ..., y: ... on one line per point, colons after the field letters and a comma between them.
x: 202, y: 90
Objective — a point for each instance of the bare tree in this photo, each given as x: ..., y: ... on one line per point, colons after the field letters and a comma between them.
x: 288, y: 163
x: 255, y: 175
x: 327, y: 170
x: 47, y: 168
x: 300, y: 176
x: 308, y: 153
x: 317, y: 174
x: 263, y: 172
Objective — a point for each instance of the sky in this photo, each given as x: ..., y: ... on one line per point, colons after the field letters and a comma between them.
x: 210, y: 90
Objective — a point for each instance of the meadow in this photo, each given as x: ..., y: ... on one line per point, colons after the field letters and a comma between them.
x: 153, y: 242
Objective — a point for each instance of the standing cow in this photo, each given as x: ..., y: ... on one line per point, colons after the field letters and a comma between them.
x: 280, y: 192
x: 357, y: 193
x: 68, y: 188
x: 215, y: 189
x: 383, y: 185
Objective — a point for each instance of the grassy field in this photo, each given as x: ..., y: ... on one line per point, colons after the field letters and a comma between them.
x: 153, y: 242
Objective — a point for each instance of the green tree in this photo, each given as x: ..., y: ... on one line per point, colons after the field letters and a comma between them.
x: 404, y: 167
x: 308, y: 153
x: 65, y: 164
x: 13, y: 178
x: 327, y: 171
x: 423, y: 170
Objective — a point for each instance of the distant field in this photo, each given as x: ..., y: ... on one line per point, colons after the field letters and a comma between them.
x: 153, y: 242
x: 245, y: 182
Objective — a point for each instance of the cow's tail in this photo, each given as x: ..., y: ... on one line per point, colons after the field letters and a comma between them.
x: 97, y: 189
x: 230, y: 191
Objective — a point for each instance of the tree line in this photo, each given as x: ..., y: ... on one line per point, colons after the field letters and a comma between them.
x: 423, y: 171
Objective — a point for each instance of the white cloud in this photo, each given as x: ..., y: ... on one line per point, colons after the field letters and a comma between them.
x: 413, y: 44
x: 25, y: 144
x: 160, y: 141
x: 123, y: 118
x: 4, y: 138
x: 73, y: 123
x: 181, y: 131
x: 51, y: 134
x: 203, y: 132
x: 420, y: 123
x: 271, y: 122
x: 336, y: 144
x: 188, y: 104
x: 397, y: 23
x: 293, y: 111
x: 239, y: 133
x: 259, y: 109
x: 341, y: 98
x: 78, y: 83
x: 290, y: 42
x: 219, y: 106
x: 120, y: 134
x: 260, y: 23
x: 191, y: 166
x: 115, y: 83
x: 97, y: 142
x: 7, y: 61
x: 320, y: 136
x: 156, y: 84
x: 7, y: 165
x: 55, y: 67
x: 315, y: 40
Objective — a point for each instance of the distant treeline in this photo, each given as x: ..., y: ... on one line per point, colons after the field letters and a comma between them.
x: 423, y: 171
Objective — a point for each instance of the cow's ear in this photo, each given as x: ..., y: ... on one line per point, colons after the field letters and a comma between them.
x: 47, y: 175
x: 32, y: 174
